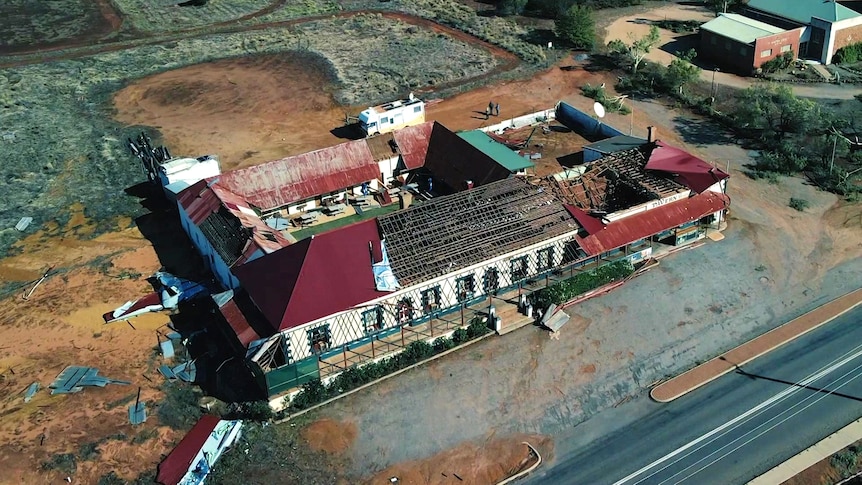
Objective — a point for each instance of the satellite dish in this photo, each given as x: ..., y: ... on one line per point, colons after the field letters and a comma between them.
x: 599, y: 109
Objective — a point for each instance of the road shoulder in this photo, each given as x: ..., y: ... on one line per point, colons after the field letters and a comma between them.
x: 771, y: 340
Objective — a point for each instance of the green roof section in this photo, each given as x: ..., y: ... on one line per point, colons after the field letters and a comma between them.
x: 739, y: 28
x: 803, y: 10
x: 500, y: 153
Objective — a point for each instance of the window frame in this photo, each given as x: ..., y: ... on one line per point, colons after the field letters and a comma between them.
x: 429, y: 307
x: 524, y: 267
x: 377, y: 323
x: 404, y: 310
x: 491, y: 275
x: 318, y: 334
x: 547, y: 253
x: 466, y: 292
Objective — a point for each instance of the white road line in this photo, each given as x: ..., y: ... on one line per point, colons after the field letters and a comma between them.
x: 816, y: 397
x: 776, y: 398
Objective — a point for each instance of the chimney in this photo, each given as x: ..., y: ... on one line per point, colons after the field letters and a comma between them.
x: 651, y: 134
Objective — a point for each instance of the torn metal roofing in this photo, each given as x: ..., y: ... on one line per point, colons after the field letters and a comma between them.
x: 687, y: 169
x: 639, y: 226
x: 281, y: 182
x: 74, y: 378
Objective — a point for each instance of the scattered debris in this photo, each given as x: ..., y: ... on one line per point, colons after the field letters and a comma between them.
x: 185, y: 371
x: 167, y: 349
x: 47, y: 273
x: 31, y: 391
x: 172, y: 290
x: 74, y: 378
x: 194, y: 457
x: 23, y: 223
x: 138, y: 411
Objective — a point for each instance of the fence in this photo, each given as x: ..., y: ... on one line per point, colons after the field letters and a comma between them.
x: 521, y: 121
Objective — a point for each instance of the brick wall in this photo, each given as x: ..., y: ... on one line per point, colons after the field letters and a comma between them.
x: 850, y: 35
x: 773, y: 44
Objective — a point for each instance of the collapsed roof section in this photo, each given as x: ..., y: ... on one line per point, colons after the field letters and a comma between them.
x: 233, y: 229
x: 448, y: 233
x: 685, y: 168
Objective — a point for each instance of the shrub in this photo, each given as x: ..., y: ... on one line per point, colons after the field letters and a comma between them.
x: 315, y: 392
x: 798, y: 204
x: 111, y: 478
x: 845, y: 461
x: 611, y: 105
x: 581, y: 283
x: 511, y: 7
x: 848, y: 54
x: 779, y: 63
x: 63, y: 462
x: 179, y: 409
x: 678, y: 26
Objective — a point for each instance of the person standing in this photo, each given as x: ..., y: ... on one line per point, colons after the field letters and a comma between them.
x: 497, y: 109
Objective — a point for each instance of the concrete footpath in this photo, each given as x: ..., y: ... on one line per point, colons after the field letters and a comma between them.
x: 826, y: 447
x: 717, y: 367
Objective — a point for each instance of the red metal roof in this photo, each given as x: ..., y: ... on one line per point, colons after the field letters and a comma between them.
x: 176, y: 464
x: 690, y: 171
x: 238, y: 323
x: 315, y: 277
x: 590, y: 224
x: 653, y: 221
x: 198, y: 201
x: 292, y: 179
x: 413, y: 143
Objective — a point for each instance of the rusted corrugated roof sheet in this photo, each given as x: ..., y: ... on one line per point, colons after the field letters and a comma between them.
x: 590, y: 224
x: 654, y: 221
x: 238, y: 323
x: 203, y: 199
x: 292, y: 179
x: 413, y: 143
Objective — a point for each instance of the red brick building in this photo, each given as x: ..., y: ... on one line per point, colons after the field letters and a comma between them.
x: 742, y: 44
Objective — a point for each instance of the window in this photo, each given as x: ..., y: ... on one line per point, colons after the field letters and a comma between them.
x: 519, y: 268
x: 465, y: 287
x: 546, y: 259
x: 786, y: 48
x: 491, y: 280
x: 417, y: 109
x: 372, y: 320
x: 319, y: 339
x: 766, y: 53
x: 404, y: 310
x: 431, y: 299
x: 384, y: 120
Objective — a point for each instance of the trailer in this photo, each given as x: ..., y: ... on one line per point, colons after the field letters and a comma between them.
x: 392, y: 116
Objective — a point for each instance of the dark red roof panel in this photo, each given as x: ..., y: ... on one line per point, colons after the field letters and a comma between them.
x: 176, y: 464
x: 590, y: 224
x: 315, y: 277
x: 292, y: 179
x: 690, y: 171
x: 413, y: 142
x: 198, y: 201
x: 653, y: 221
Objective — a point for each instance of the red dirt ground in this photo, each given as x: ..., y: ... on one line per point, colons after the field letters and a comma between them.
x: 329, y: 436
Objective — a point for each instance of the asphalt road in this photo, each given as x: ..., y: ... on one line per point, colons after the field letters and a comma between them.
x: 729, y: 431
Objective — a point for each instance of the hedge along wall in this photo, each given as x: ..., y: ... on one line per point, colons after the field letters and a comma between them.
x: 581, y: 283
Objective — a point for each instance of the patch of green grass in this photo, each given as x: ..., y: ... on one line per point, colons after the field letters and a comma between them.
x: 179, y: 409
x: 149, y: 16
x: 344, y: 221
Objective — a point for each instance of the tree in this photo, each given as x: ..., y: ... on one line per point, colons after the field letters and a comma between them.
x: 638, y: 49
x: 511, y: 7
x: 776, y: 110
x: 681, y: 71
x: 577, y: 27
